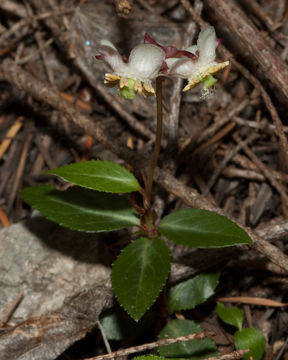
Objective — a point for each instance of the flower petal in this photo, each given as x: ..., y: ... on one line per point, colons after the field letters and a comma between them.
x: 207, y: 44
x: 169, y: 50
x: 193, y: 49
x: 184, y: 53
x: 145, y: 61
x: 182, y: 67
x: 105, y: 42
x: 149, y: 40
x: 108, y: 52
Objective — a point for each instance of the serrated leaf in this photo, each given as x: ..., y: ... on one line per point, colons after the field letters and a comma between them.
x: 118, y: 325
x: 98, y: 175
x: 139, y: 274
x: 82, y: 209
x: 197, y: 349
x: 202, y: 229
x: 190, y: 293
x: 252, y: 339
x: 231, y: 316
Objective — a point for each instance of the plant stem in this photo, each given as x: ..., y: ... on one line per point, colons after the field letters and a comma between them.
x: 157, y: 145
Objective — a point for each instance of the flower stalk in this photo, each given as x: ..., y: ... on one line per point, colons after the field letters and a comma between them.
x: 157, y: 145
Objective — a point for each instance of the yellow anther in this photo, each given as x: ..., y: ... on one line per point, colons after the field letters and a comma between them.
x: 111, y: 77
x: 111, y: 80
x: 148, y: 89
x: 138, y: 86
x: 123, y: 82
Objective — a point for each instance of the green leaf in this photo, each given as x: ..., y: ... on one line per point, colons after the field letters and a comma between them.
x: 202, y: 229
x: 193, y: 349
x: 149, y: 357
x: 231, y: 316
x: 82, y: 209
x: 190, y: 293
x: 252, y: 339
x: 98, y: 175
x: 118, y: 325
x: 139, y: 273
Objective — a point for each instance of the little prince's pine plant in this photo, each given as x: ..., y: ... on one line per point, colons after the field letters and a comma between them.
x: 98, y: 200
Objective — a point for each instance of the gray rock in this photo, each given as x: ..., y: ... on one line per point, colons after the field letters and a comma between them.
x: 49, y: 263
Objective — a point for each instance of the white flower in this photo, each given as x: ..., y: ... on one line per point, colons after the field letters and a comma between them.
x: 135, y: 75
x: 201, y: 69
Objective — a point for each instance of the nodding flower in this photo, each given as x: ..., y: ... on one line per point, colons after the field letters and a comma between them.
x: 201, y: 68
x: 136, y: 74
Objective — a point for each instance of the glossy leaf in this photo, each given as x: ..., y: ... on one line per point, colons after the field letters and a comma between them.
x: 190, y: 293
x: 231, y: 316
x: 98, y: 175
x: 82, y: 209
x: 202, y: 229
x: 252, y: 339
x: 139, y: 274
x: 118, y: 325
x: 197, y: 349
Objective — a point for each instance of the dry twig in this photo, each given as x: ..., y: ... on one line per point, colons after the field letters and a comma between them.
x: 4, y: 218
x: 149, y: 346
x: 11, y: 308
x: 10, y: 135
x: 20, y: 170
x: 252, y: 301
x: 234, y: 355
